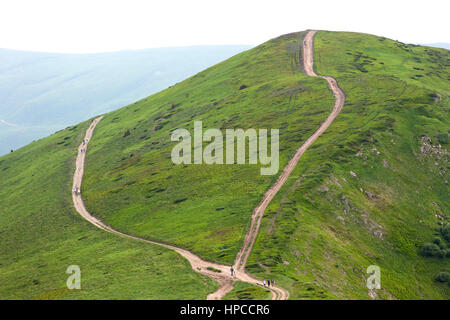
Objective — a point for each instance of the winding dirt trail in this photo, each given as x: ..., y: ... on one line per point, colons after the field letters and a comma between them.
x: 223, y: 277
x: 308, y: 68
x: 206, y: 267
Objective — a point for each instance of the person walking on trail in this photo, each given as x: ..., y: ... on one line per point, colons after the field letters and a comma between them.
x: 268, y: 283
x: 264, y: 283
x: 232, y: 271
x: 74, y: 190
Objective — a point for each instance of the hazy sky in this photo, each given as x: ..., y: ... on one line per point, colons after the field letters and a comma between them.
x: 81, y: 26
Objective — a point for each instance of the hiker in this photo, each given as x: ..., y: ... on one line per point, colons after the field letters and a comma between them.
x: 232, y: 271
x: 264, y: 283
x: 78, y: 191
x: 273, y: 282
x: 74, y: 190
x: 268, y: 283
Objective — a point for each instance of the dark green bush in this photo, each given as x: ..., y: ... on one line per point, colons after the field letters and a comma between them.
x: 437, y: 241
x: 442, y: 138
x: 430, y: 250
x: 447, y: 253
x: 445, y: 231
x: 443, y: 276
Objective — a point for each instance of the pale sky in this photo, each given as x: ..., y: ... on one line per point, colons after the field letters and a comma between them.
x: 85, y: 26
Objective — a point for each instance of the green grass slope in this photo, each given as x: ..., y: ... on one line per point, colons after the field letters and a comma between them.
x: 41, y: 235
x: 326, y: 226
x: 132, y: 184
x: 318, y: 236
x: 246, y: 291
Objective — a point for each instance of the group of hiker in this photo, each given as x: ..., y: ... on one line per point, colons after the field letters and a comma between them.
x: 84, y: 143
x: 268, y: 283
x: 76, y: 190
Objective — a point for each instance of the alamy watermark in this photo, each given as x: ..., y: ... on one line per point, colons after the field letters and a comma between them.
x: 74, y: 280
x: 235, y: 142
x: 374, y: 280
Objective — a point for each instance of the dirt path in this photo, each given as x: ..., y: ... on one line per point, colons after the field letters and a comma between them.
x: 206, y: 267
x: 223, y: 277
x: 308, y: 68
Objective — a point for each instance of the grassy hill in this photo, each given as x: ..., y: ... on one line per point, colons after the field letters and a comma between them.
x: 327, y: 226
x: 321, y: 232
x: 42, y: 234
x: 132, y: 184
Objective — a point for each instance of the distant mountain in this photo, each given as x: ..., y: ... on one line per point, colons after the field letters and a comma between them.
x: 439, y: 45
x: 41, y: 93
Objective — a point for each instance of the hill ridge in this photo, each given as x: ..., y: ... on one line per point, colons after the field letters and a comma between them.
x: 198, y: 264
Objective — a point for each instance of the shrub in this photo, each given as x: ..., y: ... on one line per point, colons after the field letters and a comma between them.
x: 443, y: 276
x: 437, y: 241
x: 430, y: 250
x: 443, y: 138
x: 447, y: 253
x: 179, y: 200
x: 445, y: 231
